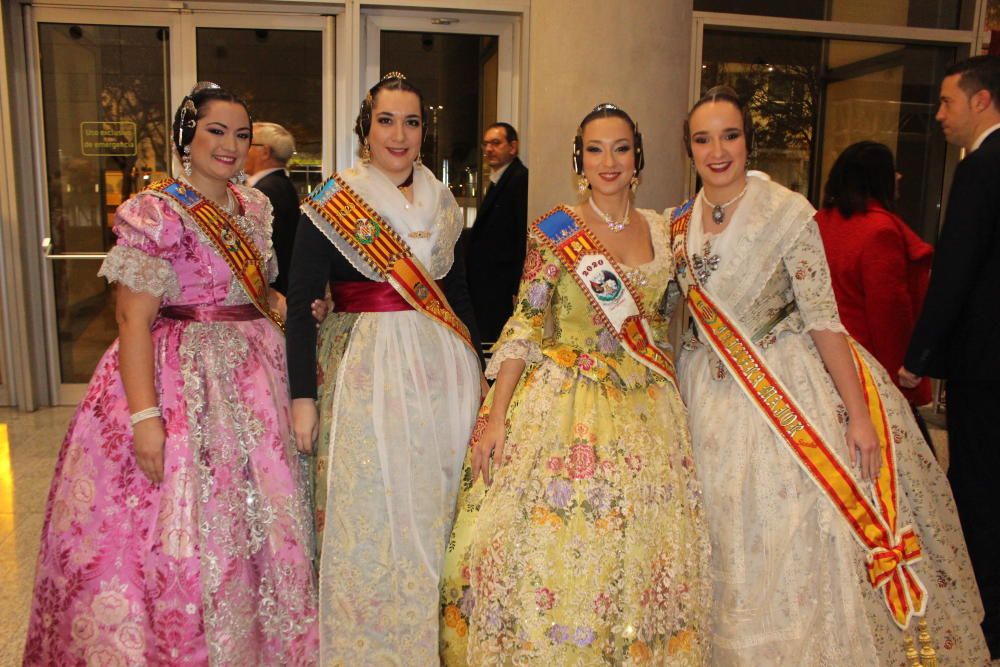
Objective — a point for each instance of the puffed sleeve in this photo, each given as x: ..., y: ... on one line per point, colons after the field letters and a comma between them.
x: 149, y: 241
x: 810, y: 276
x: 521, y: 337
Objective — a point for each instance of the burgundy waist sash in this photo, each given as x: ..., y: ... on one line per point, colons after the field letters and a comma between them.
x: 201, y: 313
x: 365, y: 296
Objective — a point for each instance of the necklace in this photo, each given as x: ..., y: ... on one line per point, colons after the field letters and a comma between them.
x: 614, y: 225
x: 408, y: 182
x: 719, y: 210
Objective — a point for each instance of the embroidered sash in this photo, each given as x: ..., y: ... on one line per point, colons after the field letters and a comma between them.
x: 345, y: 214
x: 890, y: 549
x: 606, y: 287
x: 239, y: 251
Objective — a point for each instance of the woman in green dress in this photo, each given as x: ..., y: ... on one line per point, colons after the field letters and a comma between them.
x: 583, y: 541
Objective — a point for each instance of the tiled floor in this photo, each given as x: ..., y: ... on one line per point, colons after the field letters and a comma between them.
x: 29, y: 443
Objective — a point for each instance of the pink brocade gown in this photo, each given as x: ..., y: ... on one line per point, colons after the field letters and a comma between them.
x: 211, y: 567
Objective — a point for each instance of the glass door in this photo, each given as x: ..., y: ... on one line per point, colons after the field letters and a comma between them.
x: 103, y: 113
x: 812, y: 96
x: 104, y: 89
x: 276, y: 62
x: 465, y: 67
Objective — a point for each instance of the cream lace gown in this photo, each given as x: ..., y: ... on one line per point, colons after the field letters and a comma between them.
x: 398, y: 399
x: 789, y: 581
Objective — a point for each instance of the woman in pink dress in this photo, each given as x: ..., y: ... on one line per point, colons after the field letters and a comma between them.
x: 176, y: 531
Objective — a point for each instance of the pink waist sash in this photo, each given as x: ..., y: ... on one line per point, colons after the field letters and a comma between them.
x: 212, y: 313
x: 364, y: 296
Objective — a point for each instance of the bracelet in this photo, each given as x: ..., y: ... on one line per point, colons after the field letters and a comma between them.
x: 142, y: 415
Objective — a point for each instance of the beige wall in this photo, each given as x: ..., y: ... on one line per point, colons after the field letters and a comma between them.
x: 634, y: 53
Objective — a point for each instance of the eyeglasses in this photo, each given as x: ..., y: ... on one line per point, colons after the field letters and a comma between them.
x: 495, y: 143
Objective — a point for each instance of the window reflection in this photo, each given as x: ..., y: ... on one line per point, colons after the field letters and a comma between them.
x: 280, y: 75
x: 105, y: 124
x: 458, y: 76
x: 811, y: 98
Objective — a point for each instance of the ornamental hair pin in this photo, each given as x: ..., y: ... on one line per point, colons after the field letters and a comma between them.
x: 606, y: 106
x: 205, y: 85
x: 394, y: 75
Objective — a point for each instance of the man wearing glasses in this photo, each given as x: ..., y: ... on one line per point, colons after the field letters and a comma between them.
x: 497, y: 243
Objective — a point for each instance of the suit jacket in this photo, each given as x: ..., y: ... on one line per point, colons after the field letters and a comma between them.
x: 285, y: 200
x: 958, y: 333
x: 495, y: 250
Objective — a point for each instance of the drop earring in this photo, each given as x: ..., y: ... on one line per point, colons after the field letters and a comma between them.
x: 633, y: 184
x: 186, y: 160
x: 240, y: 178
x: 582, y: 184
x: 419, y: 161
x: 366, y: 152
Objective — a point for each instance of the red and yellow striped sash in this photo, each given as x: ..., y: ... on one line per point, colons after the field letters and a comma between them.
x: 239, y: 251
x: 624, y: 315
x: 351, y: 218
x: 890, y: 549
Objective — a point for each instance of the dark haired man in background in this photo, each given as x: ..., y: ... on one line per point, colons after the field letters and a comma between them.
x: 497, y: 242
x: 958, y: 334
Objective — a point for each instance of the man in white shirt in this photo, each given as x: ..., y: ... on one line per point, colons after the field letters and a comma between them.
x: 958, y: 334
x: 266, y: 162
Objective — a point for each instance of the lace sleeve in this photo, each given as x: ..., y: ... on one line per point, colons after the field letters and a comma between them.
x: 140, y: 272
x: 526, y: 350
x: 270, y: 257
x: 521, y: 337
x: 149, y: 235
x: 810, y: 276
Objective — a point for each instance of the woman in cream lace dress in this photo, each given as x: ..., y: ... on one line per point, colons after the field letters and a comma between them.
x: 789, y: 579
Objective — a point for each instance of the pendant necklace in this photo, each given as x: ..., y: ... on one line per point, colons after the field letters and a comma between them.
x: 614, y: 225
x: 719, y: 210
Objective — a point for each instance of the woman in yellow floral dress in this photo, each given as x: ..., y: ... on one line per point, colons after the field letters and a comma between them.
x: 583, y: 543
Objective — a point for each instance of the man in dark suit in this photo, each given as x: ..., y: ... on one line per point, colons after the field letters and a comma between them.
x: 266, y: 161
x: 958, y: 334
x: 497, y: 243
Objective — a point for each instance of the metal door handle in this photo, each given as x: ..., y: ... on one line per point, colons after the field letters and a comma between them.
x: 47, y: 251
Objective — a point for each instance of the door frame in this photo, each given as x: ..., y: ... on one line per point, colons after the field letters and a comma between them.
x: 182, y: 76
x: 70, y: 393
x: 831, y: 30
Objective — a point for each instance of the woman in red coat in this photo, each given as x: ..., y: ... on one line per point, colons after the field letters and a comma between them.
x: 879, y: 266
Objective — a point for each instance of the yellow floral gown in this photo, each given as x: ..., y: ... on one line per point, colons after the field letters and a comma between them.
x: 590, y: 547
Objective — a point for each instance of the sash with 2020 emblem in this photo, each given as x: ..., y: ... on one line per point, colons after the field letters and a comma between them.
x: 605, y: 285
x: 890, y: 549
x: 344, y: 213
x: 239, y: 251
